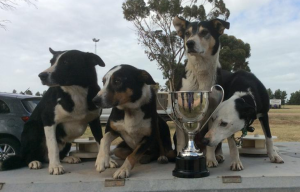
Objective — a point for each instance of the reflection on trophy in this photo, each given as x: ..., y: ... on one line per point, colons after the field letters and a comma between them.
x: 190, y: 107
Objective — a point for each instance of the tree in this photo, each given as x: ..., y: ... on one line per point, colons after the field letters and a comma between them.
x: 295, y: 98
x: 14, y: 91
x: 270, y: 93
x: 278, y: 94
x: 28, y: 92
x: 234, y: 53
x: 37, y: 94
x: 8, y: 5
x: 154, y: 27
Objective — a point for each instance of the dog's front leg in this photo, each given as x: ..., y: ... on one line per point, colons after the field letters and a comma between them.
x: 273, y: 155
x: 181, y: 139
x: 236, y: 164
x: 103, y: 158
x: 211, y: 160
x: 132, y: 159
x: 55, y: 167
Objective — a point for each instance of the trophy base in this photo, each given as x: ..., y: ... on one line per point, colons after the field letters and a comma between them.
x: 190, y: 167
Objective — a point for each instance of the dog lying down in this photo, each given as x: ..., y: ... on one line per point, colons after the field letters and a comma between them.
x: 146, y: 137
x: 247, y: 99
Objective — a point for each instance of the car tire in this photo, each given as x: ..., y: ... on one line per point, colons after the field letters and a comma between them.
x: 8, y: 147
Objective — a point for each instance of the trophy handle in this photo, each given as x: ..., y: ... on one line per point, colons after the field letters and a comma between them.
x: 218, y: 104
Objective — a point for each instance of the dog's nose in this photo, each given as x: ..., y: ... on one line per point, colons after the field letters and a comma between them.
x: 43, y: 76
x: 190, y: 44
x: 97, y: 101
x: 205, y: 141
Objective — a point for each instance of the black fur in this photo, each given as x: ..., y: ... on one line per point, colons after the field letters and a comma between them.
x: 133, y: 79
x: 72, y: 68
x: 242, y: 81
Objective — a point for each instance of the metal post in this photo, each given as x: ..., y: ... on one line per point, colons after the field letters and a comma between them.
x: 96, y: 41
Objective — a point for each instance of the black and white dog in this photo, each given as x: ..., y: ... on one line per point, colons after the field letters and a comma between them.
x: 202, y: 71
x: 134, y: 118
x: 246, y: 99
x: 63, y: 113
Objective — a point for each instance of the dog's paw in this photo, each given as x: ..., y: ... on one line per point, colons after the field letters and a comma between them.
x: 220, y: 158
x: 71, y: 160
x: 121, y: 173
x: 56, y: 169
x: 105, y: 162
x: 236, y: 166
x: 162, y: 160
x: 35, y: 165
x: 275, y: 158
x: 211, y: 163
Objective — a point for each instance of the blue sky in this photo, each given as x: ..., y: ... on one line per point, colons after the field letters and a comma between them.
x: 270, y: 27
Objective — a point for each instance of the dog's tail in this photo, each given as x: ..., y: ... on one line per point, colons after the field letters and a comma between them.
x: 13, y: 162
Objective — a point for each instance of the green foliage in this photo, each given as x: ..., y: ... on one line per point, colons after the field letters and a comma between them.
x: 28, y: 92
x: 154, y: 26
x: 278, y: 94
x: 37, y: 94
x: 14, y: 91
x: 234, y: 53
x: 270, y: 93
x: 295, y: 98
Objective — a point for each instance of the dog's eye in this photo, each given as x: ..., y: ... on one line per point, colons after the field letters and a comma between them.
x: 104, y: 81
x: 203, y: 33
x: 187, y: 33
x: 117, y: 82
x: 223, y: 124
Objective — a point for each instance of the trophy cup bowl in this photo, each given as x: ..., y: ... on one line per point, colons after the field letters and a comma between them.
x: 190, y: 108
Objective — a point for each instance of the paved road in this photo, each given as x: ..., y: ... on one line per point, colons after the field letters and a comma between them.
x: 259, y: 175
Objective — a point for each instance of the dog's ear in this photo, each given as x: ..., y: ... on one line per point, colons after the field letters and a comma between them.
x: 94, y: 59
x: 52, y: 51
x: 246, y: 111
x: 146, y: 78
x: 220, y: 25
x: 180, y: 25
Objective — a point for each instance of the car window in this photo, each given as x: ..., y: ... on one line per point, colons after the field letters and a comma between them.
x: 30, y: 104
x: 3, y: 107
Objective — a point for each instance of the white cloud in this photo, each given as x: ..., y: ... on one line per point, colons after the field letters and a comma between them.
x: 271, y: 28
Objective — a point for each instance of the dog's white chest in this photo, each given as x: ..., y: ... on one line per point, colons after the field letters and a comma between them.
x: 133, y: 128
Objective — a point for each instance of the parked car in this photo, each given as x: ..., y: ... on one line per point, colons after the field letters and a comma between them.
x: 15, y: 110
x: 163, y: 106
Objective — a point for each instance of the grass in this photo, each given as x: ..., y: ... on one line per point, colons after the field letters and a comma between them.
x: 284, y: 123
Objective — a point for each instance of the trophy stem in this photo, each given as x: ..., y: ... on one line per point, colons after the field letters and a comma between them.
x: 191, y: 149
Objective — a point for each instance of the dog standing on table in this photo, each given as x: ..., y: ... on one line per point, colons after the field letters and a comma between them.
x: 63, y: 113
x: 246, y: 99
x: 202, y: 71
x: 134, y: 118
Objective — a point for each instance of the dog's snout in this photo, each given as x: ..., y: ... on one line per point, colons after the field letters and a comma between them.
x: 205, y: 141
x: 190, y: 44
x: 43, y: 76
x: 97, y: 101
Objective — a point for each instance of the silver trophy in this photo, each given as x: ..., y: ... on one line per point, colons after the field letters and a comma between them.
x: 190, y: 108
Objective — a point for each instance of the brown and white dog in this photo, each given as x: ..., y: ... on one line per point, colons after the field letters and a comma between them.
x: 134, y: 118
x: 202, y: 71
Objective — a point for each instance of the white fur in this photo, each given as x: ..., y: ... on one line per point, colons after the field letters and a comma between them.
x: 55, y: 167
x: 75, y: 122
x: 124, y: 171
x: 103, y: 159
x: 236, y: 164
x: 103, y: 92
x: 134, y: 127
x: 226, y: 112
x: 51, y: 69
